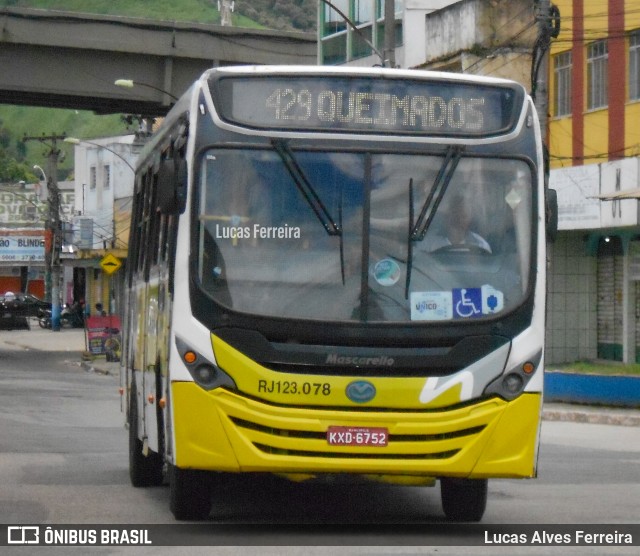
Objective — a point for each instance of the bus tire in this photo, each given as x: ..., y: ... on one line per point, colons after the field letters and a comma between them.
x: 189, y: 494
x: 463, y: 499
x: 144, y: 471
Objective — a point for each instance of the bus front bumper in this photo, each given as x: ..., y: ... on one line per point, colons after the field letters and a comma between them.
x: 221, y: 430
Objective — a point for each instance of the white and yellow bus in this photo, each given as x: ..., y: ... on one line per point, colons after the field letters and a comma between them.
x: 337, y: 271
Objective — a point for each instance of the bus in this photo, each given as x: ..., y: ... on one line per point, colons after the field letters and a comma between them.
x: 337, y: 273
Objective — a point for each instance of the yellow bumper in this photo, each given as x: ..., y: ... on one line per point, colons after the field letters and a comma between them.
x: 225, y: 431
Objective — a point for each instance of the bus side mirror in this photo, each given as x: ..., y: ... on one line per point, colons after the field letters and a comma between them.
x: 551, y: 214
x: 172, y: 185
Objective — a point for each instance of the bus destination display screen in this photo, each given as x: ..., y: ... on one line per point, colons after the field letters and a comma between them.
x: 367, y: 104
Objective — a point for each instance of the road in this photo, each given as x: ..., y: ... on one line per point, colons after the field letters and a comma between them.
x: 63, y: 460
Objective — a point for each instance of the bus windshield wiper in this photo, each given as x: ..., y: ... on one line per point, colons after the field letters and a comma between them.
x: 305, y: 187
x: 303, y: 184
x: 436, y: 194
x: 409, y: 242
x: 418, y: 230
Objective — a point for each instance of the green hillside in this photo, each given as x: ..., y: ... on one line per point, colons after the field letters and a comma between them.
x: 17, y: 158
x: 298, y: 15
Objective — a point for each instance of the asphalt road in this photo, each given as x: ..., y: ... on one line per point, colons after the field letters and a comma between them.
x: 63, y: 460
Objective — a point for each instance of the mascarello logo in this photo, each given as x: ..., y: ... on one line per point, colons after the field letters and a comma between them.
x: 361, y: 391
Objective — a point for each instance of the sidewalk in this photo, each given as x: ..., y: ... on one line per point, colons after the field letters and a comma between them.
x: 72, y: 340
x: 67, y: 339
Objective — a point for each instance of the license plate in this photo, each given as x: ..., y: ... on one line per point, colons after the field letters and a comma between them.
x: 357, y: 436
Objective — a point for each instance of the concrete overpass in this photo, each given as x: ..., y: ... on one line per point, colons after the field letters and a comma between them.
x: 71, y: 60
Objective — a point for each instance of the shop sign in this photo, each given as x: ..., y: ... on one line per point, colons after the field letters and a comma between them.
x: 21, y: 246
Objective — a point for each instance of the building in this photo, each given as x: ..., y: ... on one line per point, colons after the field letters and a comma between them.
x: 594, y: 143
x: 340, y: 44
x: 471, y: 36
x: 104, y: 178
x: 24, y: 209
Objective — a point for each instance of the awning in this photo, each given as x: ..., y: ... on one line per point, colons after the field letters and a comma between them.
x: 626, y: 194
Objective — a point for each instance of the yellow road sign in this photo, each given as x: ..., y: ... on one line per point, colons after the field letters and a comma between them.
x: 110, y: 263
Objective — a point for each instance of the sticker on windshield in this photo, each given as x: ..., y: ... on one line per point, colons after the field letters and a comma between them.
x: 386, y: 272
x: 431, y: 305
x: 467, y: 303
x: 492, y: 300
x: 476, y: 302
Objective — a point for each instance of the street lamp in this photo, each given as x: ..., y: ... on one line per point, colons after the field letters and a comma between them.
x: 130, y: 84
x: 44, y: 176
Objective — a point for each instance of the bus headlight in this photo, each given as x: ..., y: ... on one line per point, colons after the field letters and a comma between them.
x: 513, y: 383
x: 510, y: 384
x: 206, y: 374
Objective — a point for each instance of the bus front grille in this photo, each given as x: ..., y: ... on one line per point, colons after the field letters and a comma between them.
x: 418, y: 437
x: 419, y: 441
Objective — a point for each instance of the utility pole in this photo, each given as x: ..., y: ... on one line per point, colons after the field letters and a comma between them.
x: 540, y: 70
x: 389, y: 33
x: 225, y: 7
x: 53, y: 230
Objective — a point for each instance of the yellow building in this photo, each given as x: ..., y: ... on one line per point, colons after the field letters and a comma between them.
x: 594, y: 144
x: 595, y: 82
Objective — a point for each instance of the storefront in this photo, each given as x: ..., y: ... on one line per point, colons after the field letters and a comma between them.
x: 23, y: 212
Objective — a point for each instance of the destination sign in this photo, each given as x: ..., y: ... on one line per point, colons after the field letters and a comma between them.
x: 371, y: 105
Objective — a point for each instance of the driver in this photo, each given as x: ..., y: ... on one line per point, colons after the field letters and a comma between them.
x: 456, y: 233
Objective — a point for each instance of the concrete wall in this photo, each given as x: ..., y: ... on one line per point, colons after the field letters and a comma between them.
x: 572, y: 303
x: 487, y: 37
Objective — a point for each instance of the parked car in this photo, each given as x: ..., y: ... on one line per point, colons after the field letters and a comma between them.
x: 15, y: 308
x: 24, y: 304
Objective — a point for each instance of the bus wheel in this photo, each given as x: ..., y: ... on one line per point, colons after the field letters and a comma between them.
x: 463, y: 499
x: 189, y: 493
x: 144, y: 470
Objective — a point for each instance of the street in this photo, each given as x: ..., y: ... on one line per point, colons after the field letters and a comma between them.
x: 64, y: 459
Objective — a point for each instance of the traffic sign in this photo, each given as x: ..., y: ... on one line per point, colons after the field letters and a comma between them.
x: 110, y: 263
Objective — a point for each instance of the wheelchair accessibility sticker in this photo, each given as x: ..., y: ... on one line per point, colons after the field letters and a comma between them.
x: 459, y: 303
x: 476, y: 302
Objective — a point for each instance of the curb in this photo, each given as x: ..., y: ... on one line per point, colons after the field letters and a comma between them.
x: 89, y: 367
x: 601, y: 390
x: 603, y: 416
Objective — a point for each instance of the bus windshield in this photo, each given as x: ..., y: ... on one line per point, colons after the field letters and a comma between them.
x: 364, y: 236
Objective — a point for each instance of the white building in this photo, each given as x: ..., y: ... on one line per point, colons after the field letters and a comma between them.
x: 104, y: 179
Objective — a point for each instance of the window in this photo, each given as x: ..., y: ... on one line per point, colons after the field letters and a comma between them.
x: 562, y: 66
x: 362, y: 11
x: 340, y: 43
x: 634, y: 66
x: 93, y: 177
x: 306, y: 271
x: 106, y: 184
x: 597, y: 81
x: 334, y: 33
x: 334, y: 49
x: 360, y: 47
x: 332, y: 21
